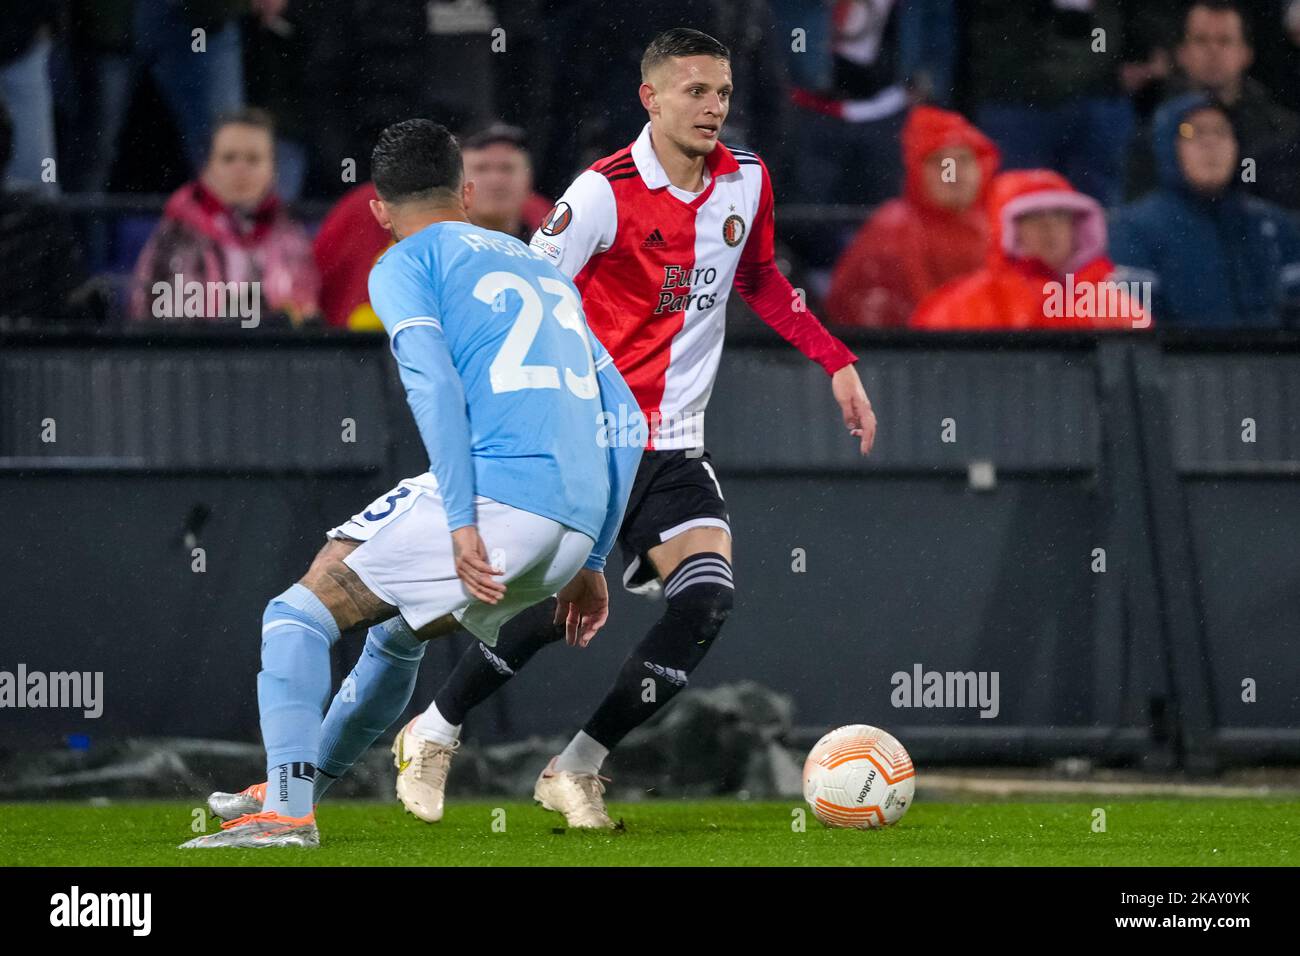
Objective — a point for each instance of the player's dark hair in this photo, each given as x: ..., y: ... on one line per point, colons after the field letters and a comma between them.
x: 416, y: 160
x: 1221, y: 6
x: 680, y: 41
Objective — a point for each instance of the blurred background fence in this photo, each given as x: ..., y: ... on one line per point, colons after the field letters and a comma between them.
x: 1068, y: 453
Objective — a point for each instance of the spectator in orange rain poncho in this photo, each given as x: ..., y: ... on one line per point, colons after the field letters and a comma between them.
x: 1047, y: 266
x: 936, y: 231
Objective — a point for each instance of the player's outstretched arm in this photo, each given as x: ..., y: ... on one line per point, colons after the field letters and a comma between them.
x: 437, y: 400
x: 769, y: 293
x: 408, y: 306
x: 775, y: 301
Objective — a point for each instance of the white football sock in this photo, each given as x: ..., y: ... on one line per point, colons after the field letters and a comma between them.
x: 583, y: 755
x: 431, y: 725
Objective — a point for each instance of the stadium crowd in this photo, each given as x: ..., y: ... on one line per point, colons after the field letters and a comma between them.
x: 939, y: 164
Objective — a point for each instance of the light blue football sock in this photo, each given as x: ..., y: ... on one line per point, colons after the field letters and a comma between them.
x: 370, y: 699
x: 297, y: 634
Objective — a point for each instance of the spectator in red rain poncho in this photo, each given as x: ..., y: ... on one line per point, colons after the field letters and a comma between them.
x: 346, y: 247
x: 229, y: 226
x: 937, y: 230
x: 1047, y: 265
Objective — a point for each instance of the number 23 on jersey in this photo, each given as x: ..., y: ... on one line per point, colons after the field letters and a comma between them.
x: 508, y: 371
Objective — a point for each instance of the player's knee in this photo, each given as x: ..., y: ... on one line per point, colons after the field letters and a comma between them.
x: 700, y: 592
x: 705, y: 606
x: 300, y: 615
x: 297, y: 634
x: 349, y: 602
x: 689, y: 627
x: 395, y: 641
x: 334, y: 599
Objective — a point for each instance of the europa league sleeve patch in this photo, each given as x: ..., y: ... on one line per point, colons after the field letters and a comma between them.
x: 557, y: 220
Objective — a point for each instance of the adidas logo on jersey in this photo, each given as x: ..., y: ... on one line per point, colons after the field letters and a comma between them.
x: 654, y: 241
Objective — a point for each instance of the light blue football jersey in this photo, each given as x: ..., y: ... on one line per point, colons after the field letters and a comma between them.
x: 506, y: 381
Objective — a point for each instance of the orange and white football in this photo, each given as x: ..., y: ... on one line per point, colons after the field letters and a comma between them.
x: 860, y: 777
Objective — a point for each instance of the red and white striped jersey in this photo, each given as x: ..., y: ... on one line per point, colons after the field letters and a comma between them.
x: 655, y: 264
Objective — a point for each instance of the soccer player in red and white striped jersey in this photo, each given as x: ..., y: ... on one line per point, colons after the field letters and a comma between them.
x: 655, y: 237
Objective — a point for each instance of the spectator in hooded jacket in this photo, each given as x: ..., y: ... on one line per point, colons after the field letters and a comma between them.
x: 1216, y: 51
x: 228, y: 226
x: 1047, y: 266
x: 1216, y: 258
x: 936, y: 231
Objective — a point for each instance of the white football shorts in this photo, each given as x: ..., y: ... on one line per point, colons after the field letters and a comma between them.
x: 405, y: 557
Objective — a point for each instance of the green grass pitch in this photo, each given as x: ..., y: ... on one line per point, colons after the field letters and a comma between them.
x: 695, y: 833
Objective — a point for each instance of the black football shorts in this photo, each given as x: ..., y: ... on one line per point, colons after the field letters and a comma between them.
x: 674, y: 491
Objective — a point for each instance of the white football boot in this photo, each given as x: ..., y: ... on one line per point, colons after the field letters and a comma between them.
x: 230, y: 806
x: 421, y: 773
x: 259, y: 830
x: 579, y: 796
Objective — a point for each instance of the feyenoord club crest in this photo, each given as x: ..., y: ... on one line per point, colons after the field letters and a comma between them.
x: 557, y: 220
x: 733, y: 230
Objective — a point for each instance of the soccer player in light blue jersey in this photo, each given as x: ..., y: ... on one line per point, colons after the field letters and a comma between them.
x: 524, y: 495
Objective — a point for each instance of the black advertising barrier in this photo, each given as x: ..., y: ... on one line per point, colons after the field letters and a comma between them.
x: 1106, y: 523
